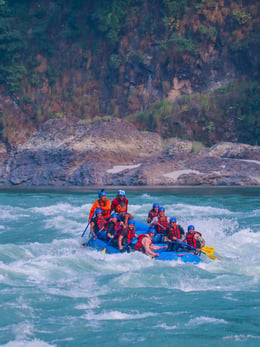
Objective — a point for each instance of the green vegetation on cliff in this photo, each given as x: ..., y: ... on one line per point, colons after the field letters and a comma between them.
x: 230, y: 112
x: 184, y: 68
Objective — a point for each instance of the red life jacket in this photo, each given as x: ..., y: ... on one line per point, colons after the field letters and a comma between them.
x: 138, y: 245
x: 174, y: 232
x: 100, y: 224
x: 164, y: 224
x: 152, y: 214
x: 191, y: 239
x: 130, y: 235
x: 118, y: 228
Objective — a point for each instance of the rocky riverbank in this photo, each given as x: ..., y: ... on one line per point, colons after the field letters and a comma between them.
x: 67, y: 152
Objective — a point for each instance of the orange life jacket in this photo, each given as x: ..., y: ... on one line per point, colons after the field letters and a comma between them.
x: 121, y: 206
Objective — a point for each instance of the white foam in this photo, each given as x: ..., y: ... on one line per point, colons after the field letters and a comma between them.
x: 204, y: 320
x: 12, y: 213
x: 93, y: 303
x: 33, y: 343
x: 166, y: 327
x: 241, y: 338
x: 57, y: 209
x: 116, y: 315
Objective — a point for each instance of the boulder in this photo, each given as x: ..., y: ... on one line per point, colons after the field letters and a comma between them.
x: 67, y: 152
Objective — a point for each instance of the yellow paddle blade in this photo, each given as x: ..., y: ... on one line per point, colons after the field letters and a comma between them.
x: 103, y: 250
x: 207, y: 249
x: 211, y: 256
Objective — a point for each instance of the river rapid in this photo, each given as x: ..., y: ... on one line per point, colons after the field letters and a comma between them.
x: 54, y: 292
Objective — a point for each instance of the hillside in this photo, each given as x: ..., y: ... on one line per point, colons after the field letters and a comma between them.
x: 178, y: 67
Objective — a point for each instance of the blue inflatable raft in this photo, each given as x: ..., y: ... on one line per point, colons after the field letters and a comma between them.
x: 186, y: 257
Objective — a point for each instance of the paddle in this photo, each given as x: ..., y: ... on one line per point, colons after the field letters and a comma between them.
x: 209, y: 250
x: 213, y: 257
x: 105, y: 249
x: 124, y: 246
x: 91, y: 235
x: 85, y: 230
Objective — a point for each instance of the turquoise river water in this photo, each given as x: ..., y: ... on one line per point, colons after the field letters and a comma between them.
x: 56, y: 293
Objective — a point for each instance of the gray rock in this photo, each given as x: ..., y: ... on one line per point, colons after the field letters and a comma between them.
x: 68, y: 152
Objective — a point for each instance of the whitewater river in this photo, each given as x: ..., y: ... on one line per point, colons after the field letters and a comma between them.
x: 56, y: 293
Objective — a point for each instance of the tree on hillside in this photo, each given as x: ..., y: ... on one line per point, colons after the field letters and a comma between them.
x: 10, y: 48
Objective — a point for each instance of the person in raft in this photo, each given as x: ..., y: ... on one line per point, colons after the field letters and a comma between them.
x: 119, y: 205
x: 194, y: 238
x: 98, y: 225
x: 114, y: 226
x: 126, y: 237
x: 145, y: 244
x: 174, y: 234
x: 103, y: 203
x: 153, y: 212
x: 160, y: 223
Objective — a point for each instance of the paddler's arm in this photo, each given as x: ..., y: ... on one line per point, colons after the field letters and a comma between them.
x: 120, y: 239
x: 158, y: 247
x: 182, y: 233
x: 91, y: 230
x: 154, y: 221
x: 201, y: 240
x: 166, y: 234
x: 113, y: 206
x: 92, y: 210
x: 148, y: 250
x: 123, y: 233
x: 110, y: 231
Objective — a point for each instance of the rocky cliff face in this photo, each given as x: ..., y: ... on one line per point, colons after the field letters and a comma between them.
x: 69, y: 152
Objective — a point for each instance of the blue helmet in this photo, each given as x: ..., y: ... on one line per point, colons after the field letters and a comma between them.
x: 121, y: 192
x: 101, y: 193
x: 152, y: 230
x: 173, y: 219
x: 98, y: 210
x: 191, y: 227
x: 114, y: 215
x: 155, y: 204
x: 161, y: 208
x: 131, y: 221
